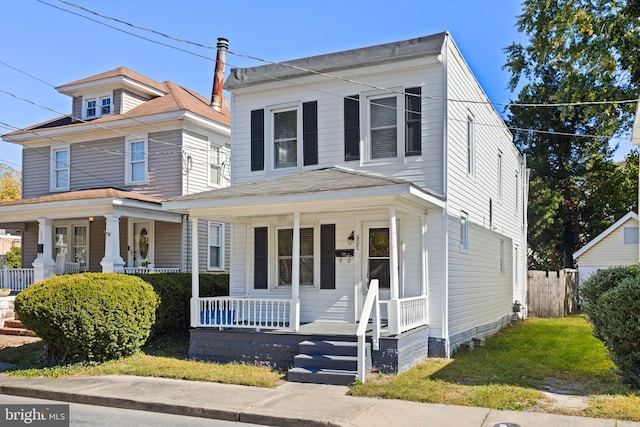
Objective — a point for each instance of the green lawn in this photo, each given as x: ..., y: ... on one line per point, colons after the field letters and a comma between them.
x: 511, y: 370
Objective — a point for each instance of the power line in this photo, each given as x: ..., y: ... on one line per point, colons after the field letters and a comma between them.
x: 285, y: 64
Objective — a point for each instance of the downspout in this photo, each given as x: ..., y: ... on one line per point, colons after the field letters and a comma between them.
x: 445, y: 172
x: 218, y: 77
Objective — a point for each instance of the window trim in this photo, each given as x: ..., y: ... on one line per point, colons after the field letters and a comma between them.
x: 53, y: 171
x: 128, y: 163
x: 270, y: 137
x: 637, y: 234
x: 222, y: 155
x: 464, y: 231
x: 365, y: 125
x: 274, y: 277
x: 221, y: 237
x: 471, y: 145
x: 70, y: 230
x: 98, y: 98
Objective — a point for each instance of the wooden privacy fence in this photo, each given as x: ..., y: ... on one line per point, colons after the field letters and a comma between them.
x: 552, y: 293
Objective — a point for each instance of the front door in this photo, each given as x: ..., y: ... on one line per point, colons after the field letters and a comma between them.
x: 377, y: 261
x: 141, y: 243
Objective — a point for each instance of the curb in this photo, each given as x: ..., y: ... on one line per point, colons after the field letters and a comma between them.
x: 167, y: 408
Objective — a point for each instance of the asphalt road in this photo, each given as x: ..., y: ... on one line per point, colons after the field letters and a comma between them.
x: 99, y: 416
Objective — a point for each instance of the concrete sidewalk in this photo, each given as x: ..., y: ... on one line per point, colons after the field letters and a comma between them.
x: 291, y: 404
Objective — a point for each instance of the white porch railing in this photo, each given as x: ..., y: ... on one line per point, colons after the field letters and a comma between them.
x: 370, y: 309
x: 249, y: 313
x: 145, y: 270
x: 71, y: 267
x: 413, y: 312
x: 18, y: 279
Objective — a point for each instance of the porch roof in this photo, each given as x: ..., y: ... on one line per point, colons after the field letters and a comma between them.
x: 328, y: 189
x: 91, y: 202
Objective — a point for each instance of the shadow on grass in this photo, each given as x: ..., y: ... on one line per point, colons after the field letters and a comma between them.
x: 556, y: 355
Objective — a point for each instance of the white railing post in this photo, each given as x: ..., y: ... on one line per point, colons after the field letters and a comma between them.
x: 370, y: 304
x: 195, y: 274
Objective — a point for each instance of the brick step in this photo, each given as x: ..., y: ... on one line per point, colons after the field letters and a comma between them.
x: 14, y: 324
x: 17, y: 331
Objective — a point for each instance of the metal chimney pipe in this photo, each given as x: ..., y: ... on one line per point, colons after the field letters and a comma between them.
x: 218, y: 77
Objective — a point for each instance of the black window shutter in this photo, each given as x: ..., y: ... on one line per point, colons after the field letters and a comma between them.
x: 327, y: 256
x: 352, y: 128
x: 260, y: 259
x: 310, y: 132
x: 257, y: 140
x: 413, y: 121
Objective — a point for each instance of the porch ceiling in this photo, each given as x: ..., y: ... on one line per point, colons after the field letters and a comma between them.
x: 86, y: 203
x: 322, y: 190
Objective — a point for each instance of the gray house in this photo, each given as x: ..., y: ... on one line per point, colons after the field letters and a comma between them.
x: 93, y: 180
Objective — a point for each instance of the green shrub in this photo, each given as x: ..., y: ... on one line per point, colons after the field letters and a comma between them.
x: 612, y: 305
x: 89, y: 316
x: 174, y: 290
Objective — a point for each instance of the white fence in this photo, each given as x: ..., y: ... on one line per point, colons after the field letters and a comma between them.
x: 18, y: 279
x: 413, y: 313
x: 251, y: 313
x: 145, y: 270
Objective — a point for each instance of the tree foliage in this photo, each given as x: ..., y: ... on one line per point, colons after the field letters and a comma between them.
x: 576, y: 51
x: 10, y: 183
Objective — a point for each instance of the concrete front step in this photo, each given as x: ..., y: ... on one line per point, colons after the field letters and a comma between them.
x: 321, y: 376
x: 326, y: 361
x: 343, y: 348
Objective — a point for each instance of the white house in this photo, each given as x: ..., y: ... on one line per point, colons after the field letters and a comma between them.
x: 385, y: 162
x: 615, y: 246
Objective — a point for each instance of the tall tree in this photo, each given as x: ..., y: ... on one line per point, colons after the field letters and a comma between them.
x: 10, y: 183
x: 576, y: 51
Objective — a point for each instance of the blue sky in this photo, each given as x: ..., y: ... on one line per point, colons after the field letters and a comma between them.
x: 58, y: 47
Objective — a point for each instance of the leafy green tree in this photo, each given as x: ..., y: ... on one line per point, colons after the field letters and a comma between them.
x: 576, y: 51
x: 13, y: 257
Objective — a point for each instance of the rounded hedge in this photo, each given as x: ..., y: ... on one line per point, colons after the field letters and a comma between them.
x: 611, y: 302
x: 89, y: 316
x: 174, y: 290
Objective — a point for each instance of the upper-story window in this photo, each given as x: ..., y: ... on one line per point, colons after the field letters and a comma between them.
x: 285, y: 138
x: 215, y: 165
x: 289, y: 136
x: 97, y: 106
x: 60, y: 168
x: 471, y: 145
x: 136, y: 160
x: 391, y: 125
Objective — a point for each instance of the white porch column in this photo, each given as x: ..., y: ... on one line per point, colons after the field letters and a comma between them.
x: 112, y: 261
x: 394, y: 303
x: 44, y: 265
x: 424, y: 248
x: 195, y: 273
x: 295, y: 275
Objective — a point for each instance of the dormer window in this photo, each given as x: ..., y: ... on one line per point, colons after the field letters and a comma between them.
x: 97, y: 106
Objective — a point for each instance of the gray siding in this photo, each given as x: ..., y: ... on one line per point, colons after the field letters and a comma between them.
x: 117, y: 101
x: 76, y: 108
x: 96, y: 243
x: 165, y: 166
x: 35, y: 171
x: 130, y: 100
x: 166, y: 245
x: 97, y: 164
x: 29, y: 244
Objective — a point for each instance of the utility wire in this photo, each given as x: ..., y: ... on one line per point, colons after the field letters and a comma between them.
x: 285, y: 64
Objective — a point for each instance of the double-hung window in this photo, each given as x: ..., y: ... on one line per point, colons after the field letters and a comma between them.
x: 215, y: 165
x: 136, y: 158
x: 215, y: 253
x: 60, y: 169
x: 285, y: 256
x: 285, y: 138
x: 383, y: 127
x: 97, y: 105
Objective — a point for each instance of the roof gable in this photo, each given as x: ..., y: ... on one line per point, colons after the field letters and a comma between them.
x: 605, y: 233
